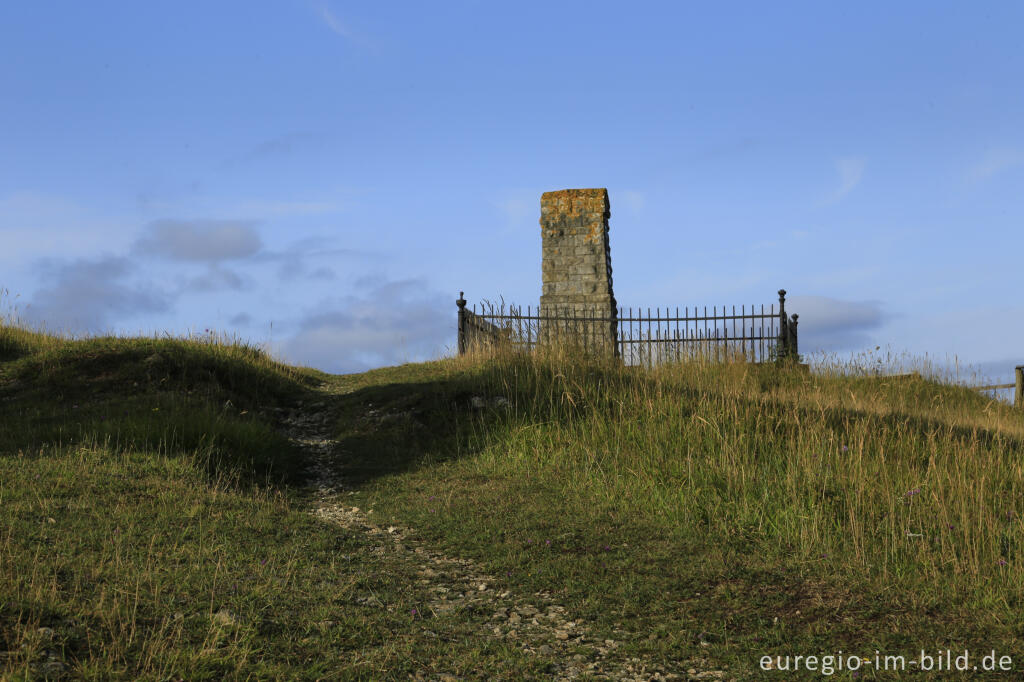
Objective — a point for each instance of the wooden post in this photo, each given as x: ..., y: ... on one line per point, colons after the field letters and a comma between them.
x: 1018, y: 399
x: 462, y: 323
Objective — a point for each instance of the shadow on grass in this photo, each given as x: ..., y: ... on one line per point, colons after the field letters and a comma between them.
x: 160, y: 396
x: 389, y: 429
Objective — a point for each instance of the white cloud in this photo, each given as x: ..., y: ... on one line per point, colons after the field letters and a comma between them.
x: 333, y: 22
x: 851, y: 171
x: 994, y: 162
x: 342, y: 29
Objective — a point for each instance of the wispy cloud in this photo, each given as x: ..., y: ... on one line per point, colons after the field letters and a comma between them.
x: 726, y: 149
x: 36, y: 225
x: 518, y: 211
x: 88, y: 295
x: 851, y: 171
x: 333, y: 22
x: 994, y: 162
x: 276, y: 148
x: 384, y: 322
x: 634, y: 200
x: 828, y: 324
x: 199, y: 240
x: 342, y: 29
x: 216, y: 278
x: 296, y: 259
x: 240, y: 320
x: 286, y: 209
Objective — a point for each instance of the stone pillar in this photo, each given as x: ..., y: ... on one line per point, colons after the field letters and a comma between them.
x: 577, y: 266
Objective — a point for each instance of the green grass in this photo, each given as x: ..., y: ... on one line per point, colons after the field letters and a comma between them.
x: 697, y: 509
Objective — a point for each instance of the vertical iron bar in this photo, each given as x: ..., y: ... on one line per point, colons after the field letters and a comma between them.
x: 686, y: 333
x: 632, y: 344
x: 529, y: 330
x: 677, y: 334
x: 649, y: 338
x: 760, y: 340
x: 734, y: 327
x: 705, y: 341
x: 743, y: 323
x: 714, y: 312
x: 654, y: 335
x: 725, y: 329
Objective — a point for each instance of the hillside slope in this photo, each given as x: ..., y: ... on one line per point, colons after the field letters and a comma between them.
x: 683, y: 521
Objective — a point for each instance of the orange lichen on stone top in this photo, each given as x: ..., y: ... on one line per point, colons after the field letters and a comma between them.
x: 573, y: 201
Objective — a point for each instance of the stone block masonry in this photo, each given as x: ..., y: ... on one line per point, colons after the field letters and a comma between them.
x: 577, y: 265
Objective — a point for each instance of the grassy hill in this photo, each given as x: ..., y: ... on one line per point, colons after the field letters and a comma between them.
x: 153, y: 523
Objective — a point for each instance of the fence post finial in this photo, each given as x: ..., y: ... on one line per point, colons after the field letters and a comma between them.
x: 462, y: 322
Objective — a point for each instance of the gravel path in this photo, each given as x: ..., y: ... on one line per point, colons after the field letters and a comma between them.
x: 535, y: 622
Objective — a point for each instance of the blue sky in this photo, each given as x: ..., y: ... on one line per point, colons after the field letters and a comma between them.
x: 325, y: 177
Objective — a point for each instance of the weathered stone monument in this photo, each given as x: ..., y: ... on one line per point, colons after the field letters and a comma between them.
x: 577, y: 268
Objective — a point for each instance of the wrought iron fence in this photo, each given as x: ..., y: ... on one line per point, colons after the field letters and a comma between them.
x: 641, y: 338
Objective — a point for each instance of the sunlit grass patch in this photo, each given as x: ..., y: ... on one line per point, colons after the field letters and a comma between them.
x: 886, y: 494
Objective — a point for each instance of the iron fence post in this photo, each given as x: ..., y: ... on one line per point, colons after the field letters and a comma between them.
x: 783, y: 343
x: 794, y: 348
x: 462, y: 323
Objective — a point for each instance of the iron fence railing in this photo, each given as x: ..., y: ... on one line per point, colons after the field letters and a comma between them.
x: 646, y: 338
